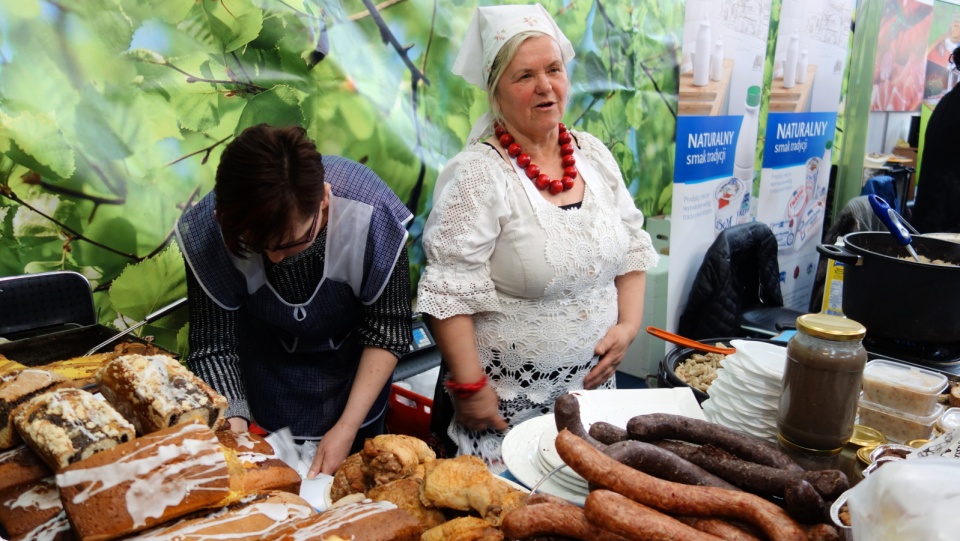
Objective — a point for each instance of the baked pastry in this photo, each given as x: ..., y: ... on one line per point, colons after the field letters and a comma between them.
x: 16, y: 388
x: 68, y: 425
x: 254, y: 467
x: 350, y: 478
x: 395, y: 456
x: 24, y: 509
x: 257, y: 516
x: 19, y: 466
x: 465, y: 483
x: 83, y: 370
x: 156, y: 392
x: 145, y: 482
x: 367, y: 520
x: 954, y: 399
x: 463, y: 529
x: 405, y: 494
x: 8, y: 365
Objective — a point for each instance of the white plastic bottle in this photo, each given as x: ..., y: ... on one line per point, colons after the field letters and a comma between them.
x: 744, y: 156
x: 701, y: 57
x: 790, y: 64
x: 716, y: 61
x: 802, y: 67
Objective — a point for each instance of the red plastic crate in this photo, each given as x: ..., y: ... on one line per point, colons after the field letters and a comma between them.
x: 403, y: 418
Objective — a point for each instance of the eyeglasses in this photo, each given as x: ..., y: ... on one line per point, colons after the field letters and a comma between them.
x: 306, y: 240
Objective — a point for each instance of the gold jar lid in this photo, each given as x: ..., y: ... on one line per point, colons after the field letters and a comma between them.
x: 863, y: 454
x: 918, y: 443
x: 864, y: 436
x: 831, y: 327
x: 787, y: 444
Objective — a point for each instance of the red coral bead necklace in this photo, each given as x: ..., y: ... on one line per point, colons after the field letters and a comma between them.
x: 540, y: 180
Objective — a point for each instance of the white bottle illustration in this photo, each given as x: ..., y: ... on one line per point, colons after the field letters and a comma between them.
x: 701, y: 57
x: 790, y: 64
x: 802, y: 67
x: 716, y: 61
x: 823, y: 176
x: 743, y: 158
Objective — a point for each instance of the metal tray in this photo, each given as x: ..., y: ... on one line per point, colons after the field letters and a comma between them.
x: 64, y: 344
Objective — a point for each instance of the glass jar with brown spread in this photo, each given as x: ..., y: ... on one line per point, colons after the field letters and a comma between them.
x: 821, y: 383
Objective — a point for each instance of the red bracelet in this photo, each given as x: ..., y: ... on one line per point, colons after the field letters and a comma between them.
x: 465, y: 390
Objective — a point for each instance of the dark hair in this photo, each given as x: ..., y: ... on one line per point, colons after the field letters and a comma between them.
x: 954, y: 56
x: 269, y: 178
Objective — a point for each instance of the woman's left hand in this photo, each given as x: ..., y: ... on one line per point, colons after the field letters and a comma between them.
x: 332, y: 451
x: 611, y: 349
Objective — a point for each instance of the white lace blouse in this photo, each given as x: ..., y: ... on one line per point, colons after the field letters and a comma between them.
x: 538, y: 279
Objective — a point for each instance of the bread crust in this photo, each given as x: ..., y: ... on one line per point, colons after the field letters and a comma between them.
x: 28, y: 506
x: 16, y: 388
x: 367, y: 520
x: 19, y: 466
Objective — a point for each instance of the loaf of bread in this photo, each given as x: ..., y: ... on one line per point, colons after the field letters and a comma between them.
x: 7, y: 366
x: 24, y: 509
x: 83, y: 370
x: 257, y: 516
x: 156, y: 392
x: 19, y: 466
x: 367, y: 520
x: 68, y: 425
x: 16, y: 388
x: 254, y: 467
x: 145, y: 482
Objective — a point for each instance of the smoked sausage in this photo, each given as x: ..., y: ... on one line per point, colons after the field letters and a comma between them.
x: 607, y: 433
x: 552, y: 519
x: 664, y: 464
x: 675, y: 498
x: 720, y: 528
x: 757, y: 478
x: 637, y: 521
x: 664, y: 426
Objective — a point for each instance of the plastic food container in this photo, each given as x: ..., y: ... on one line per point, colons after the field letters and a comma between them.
x: 902, y: 387
x: 897, y: 426
x: 950, y: 420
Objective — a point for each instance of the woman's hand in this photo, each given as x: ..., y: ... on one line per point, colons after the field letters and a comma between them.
x: 481, y: 411
x: 332, y: 451
x: 611, y: 349
x: 238, y: 424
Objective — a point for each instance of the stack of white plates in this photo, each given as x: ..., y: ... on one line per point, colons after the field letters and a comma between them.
x: 746, y: 393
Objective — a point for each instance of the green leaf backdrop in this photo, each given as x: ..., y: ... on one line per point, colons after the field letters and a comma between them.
x: 113, y: 114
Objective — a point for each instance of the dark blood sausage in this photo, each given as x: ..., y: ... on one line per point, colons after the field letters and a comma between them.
x: 719, y: 528
x: 757, y: 478
x: 607, y: 433
x: 676, y: 498
x: 661, y: 463
x: 637, y: 521
x: 550, y: 519
x: 804, y: 503
x: 663, y: 426
x: 566, y: 413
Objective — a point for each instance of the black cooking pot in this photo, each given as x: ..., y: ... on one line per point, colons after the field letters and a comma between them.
x: 667, y: 375
x: 899, y: 298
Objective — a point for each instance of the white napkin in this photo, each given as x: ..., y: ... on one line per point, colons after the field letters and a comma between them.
x: 300, y: 457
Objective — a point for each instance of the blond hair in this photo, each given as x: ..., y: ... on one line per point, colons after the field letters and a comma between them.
x: 499, y: 66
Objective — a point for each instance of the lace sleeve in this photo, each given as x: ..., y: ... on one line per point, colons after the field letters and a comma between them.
x: 460, y: 234
x: 641, y: 254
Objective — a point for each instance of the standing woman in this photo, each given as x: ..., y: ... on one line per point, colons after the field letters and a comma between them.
x: 535, y: 249
x: 299, y: 289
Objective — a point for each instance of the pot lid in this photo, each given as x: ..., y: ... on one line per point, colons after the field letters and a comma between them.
x: 831, y: 327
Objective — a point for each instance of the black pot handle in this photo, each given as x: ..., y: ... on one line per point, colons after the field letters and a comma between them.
x: 839, y: 253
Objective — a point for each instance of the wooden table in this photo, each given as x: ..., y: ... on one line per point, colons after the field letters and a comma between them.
x: 705, y: 100
x: 792, y: 100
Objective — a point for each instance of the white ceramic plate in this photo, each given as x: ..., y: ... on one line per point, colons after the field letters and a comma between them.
x: 518, y: 450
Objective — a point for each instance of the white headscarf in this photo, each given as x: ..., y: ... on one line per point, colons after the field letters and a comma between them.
x: 490, y: 28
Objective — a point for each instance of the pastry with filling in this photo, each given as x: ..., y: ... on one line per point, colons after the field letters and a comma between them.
x: 68, y: 425
x: 367, y: 521
x: 466, y: 484
x: 405, y: 493
x: 155, y: 392
x: 350, y: 478
x: 463, y: 529
x: 19, y: 466
x: 16, y: 388
x: 395, y: 456
x: 145, y: 482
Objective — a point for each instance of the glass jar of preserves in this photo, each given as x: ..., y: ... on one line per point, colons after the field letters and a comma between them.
x: 821, y: 383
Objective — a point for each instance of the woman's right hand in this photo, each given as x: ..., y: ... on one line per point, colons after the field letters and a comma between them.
x: 481, y: 411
